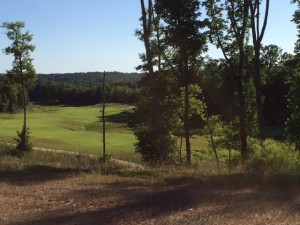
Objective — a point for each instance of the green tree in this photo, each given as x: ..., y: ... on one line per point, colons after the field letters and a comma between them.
x: 228, y: 30
x: 155, y: 129
x: 274, y: 74
x: 11, y: 101
x: 22, y: 72
x: 296, y: 20
x: 186, y: 43
x: 293, y: 98
x: 145, y: 129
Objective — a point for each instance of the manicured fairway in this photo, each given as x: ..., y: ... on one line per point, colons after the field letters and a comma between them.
x: 74, y: 129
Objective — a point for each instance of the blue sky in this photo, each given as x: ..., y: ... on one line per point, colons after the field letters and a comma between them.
x: 98, y: 35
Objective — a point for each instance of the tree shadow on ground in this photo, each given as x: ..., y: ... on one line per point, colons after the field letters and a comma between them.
x: 35, y: 174
x: 140, y: 204
x: 122, y: 117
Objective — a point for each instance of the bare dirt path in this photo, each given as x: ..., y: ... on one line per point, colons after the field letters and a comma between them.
x: 44, y: 196
x: 118, y: 162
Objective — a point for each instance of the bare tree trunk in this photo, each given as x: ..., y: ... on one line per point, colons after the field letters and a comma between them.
x: 103, y: 116
x: 213, y: 145
x: 242, y: 106
x: 229, y: 159
x: 180, y: 147
x: 258, y: 95
x: 25, y: 118
x: 186, y: 124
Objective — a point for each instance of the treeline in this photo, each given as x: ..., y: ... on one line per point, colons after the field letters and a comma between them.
x: 71, y: 89
x: 82, y: 94
x: 89, y: 78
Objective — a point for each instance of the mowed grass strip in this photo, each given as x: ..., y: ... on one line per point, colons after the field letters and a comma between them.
x: 75, y: 129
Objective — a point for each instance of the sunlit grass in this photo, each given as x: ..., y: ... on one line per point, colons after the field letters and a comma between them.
x: 80, y: 129
x: 73, y: 128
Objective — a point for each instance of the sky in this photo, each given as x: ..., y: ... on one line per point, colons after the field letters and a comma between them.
x: 98, y: 35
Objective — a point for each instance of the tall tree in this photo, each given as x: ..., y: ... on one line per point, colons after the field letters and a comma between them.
x: 296, y: 20
x: 184, y: 38
x: 228, y: 21
x: 22, y: 72
x: 147, y: 23
x: 293, y: 96
x: 257, y: 36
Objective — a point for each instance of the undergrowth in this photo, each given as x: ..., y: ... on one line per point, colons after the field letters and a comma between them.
x: 203, y: 173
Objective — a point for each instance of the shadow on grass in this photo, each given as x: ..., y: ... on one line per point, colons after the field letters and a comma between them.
x: 35, y: 174
x: 140, y: 203
x: 122, y: 117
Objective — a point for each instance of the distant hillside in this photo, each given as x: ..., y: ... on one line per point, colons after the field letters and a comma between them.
x: 90, y: 77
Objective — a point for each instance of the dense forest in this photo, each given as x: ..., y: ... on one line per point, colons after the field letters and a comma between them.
x: 72, y: 89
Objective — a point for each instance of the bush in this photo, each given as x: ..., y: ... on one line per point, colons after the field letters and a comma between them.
x: 272, y: 158
x: 148, y: 145
x: 23, y: 141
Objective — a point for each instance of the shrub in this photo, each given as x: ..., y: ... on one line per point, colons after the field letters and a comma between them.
x: 272, y: 158
x: 148, y: 145
x: 23, y: 141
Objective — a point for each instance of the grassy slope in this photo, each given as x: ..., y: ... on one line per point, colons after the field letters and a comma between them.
x: 79, y: 129
x: 73, y: 128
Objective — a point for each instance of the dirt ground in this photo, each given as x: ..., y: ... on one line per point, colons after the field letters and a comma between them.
x: 44, y: 196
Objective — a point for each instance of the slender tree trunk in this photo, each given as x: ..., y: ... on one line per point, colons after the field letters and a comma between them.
x: 180, y: 147
x: 229, y: 159
x: 186, y: 124
x: 103, y: 116
x: 213, y: 144
x: 25, y: 118
x: 242, y: 106
x: 258, y: 94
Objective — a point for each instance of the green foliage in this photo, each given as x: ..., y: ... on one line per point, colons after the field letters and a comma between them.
x: 197, y: 106
x: 218, y: 86
x: 223, y: 136
x: 296, y: 20
x: 226, y: 133
x: 22, y: 71
x: 272, y: 158
x: 90, y: 78
x: 251, y: 115
x: 147, y: 144
x: 23, y: 141
x: 293, y: 98
x: 69, y: 93
x: 183, y: 29
x: 145, y: 127
x: 10, y: 97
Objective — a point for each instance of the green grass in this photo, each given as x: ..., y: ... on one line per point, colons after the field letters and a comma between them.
x: 74, y: 129
x: 79, y: 129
